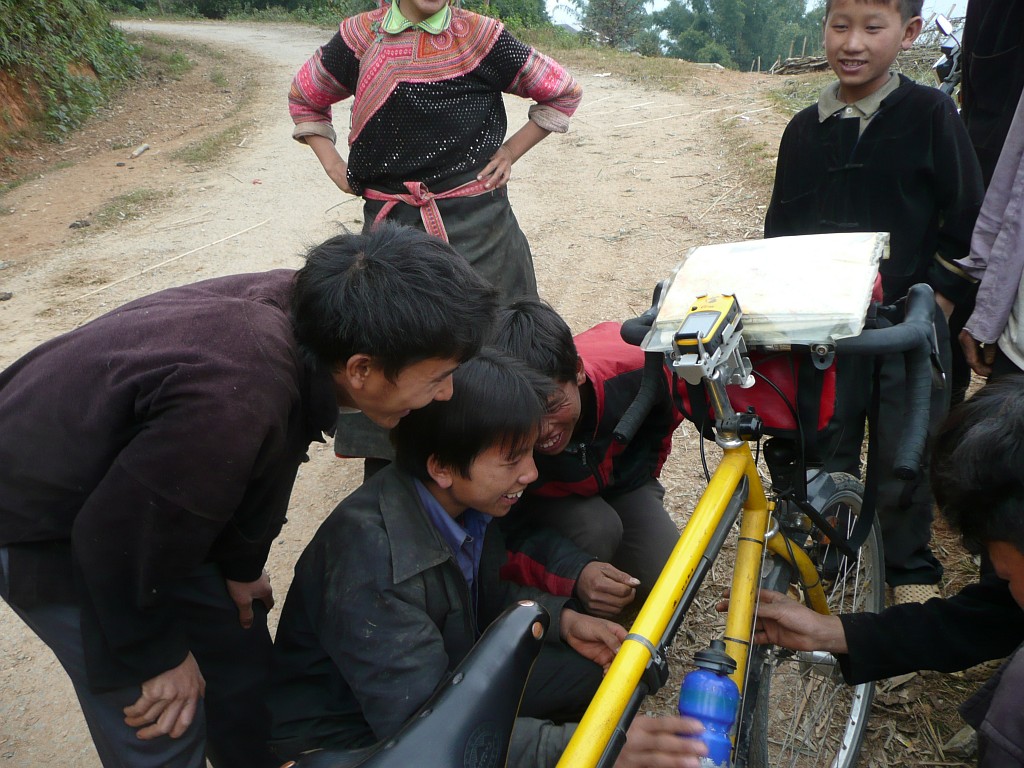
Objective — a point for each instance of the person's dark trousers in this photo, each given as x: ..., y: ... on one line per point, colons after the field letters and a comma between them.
x: 630, y: 530
x: 959, y: 370
x: 904, y: 511
x: 1002, y: 366
x: 561, y: 685
x: 231, y: 723
x: 236, y: 664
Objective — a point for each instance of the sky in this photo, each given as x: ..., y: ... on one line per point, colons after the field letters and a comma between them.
x: 948, y: 7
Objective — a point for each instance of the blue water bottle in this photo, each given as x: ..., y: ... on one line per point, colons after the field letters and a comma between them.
x: 708, y: 695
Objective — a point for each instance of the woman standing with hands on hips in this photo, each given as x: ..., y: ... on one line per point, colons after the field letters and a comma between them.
x: 427, y: 140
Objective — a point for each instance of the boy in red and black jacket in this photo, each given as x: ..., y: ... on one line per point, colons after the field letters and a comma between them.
x: 603, y: 495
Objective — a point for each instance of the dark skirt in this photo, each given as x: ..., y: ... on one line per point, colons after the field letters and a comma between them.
x: 484, y: 230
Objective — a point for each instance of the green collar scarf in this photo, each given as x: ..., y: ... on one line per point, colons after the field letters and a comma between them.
x: 395, y: 21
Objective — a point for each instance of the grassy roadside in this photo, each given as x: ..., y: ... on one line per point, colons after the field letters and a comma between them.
x: 167, y: 58
x: 129, y: 206
x: 175, y: 75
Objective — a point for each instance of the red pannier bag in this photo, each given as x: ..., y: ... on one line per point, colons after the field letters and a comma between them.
x: 789, y: 394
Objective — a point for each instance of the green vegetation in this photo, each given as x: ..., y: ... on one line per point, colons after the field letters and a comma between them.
x: 164, y: 58
x: 794, y: 93
x: 219, y: 79
x: 212, y: 147
x: 744, y: 34
x: 65, y: 58
x: 129, y: 207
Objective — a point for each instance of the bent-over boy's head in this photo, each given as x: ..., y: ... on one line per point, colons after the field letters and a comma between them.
x: 390, y: 314
x: 476, y: 449
x: 977, y: 475
x: 533, y: 332
x: 863, y: 39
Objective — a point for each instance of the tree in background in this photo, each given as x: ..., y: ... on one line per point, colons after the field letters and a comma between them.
x: 515, y: 13
x: 623, y: 24
x: 738, y: 33
x: 615, y: 22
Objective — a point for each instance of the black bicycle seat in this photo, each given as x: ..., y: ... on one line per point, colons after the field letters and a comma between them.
x: 469, y: 719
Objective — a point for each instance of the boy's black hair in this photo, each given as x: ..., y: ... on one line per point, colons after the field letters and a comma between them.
x: 908, y: 8
x: 496, y: 400
x: 531, y: 331
x: 978, y: 465
x: 396, y: 294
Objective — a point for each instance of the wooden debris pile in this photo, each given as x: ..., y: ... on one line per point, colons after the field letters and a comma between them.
x: 799, y: 65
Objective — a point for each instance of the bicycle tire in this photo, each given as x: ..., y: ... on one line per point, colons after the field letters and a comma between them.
x: 803, y: 714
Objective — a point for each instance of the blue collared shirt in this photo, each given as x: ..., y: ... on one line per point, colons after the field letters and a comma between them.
x: 465, y: 539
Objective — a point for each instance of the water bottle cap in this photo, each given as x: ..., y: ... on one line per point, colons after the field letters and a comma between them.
x: 715, y: 659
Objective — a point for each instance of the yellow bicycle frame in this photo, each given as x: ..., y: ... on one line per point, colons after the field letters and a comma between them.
x: 597, y: 727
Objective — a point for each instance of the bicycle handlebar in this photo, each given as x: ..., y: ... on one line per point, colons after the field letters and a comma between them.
x: 635, y: 329
x: 914, y: 337
x: 633, y: 332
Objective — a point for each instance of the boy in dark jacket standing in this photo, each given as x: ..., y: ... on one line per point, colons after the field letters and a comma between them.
x: 881, y: 153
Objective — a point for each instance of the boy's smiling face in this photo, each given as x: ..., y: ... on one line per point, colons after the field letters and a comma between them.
x: 862, y: 40
x: 495, y: 481
x: 558, y: 424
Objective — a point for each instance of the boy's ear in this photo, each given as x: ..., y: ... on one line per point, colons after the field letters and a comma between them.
x: 439, y: 473
x: 581, y: 375
x: 350, y: 378
x: 355, y: 371
x: 911, y: 31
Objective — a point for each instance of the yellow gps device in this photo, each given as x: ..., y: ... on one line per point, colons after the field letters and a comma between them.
x: 705, y: 322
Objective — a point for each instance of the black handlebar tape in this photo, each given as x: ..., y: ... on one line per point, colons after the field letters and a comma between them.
x: 913, y: 338
x: 636, y: 414
x: 635, y: 329
x: 921, y: 313
x: 915, y: 428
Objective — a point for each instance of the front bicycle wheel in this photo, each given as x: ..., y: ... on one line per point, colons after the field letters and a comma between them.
x: 798, y: 711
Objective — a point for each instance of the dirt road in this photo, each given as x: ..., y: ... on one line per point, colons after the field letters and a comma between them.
x: 609, y: 210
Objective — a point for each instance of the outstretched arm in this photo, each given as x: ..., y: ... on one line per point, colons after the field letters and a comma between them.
x: 783, y: 621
